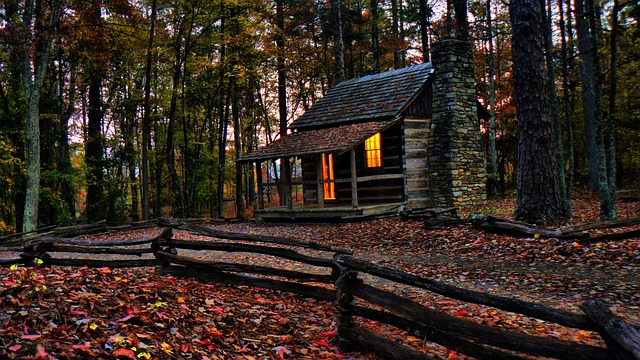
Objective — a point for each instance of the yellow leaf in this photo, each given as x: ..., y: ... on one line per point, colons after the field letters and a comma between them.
x: 14, y: 267
x: 93, y: 326
x: 144, y: 355
x: 166, y: 348
x: 536, y: 236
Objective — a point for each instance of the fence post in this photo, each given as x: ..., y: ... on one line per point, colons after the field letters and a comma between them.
x: 167, y: 234
x: 32, y: 252
x: 344, y: 304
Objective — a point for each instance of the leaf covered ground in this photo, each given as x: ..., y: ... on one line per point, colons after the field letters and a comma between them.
x: 68, y: 313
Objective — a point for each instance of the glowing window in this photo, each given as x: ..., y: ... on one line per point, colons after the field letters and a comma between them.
x: 373, y: 151
x: 327, y: 174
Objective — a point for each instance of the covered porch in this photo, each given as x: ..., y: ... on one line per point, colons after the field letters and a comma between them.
x: 335, y: 180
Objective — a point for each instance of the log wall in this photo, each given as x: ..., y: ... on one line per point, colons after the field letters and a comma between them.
x: 369, y: 192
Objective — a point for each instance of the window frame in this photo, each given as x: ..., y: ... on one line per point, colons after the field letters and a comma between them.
x: 373, y: 151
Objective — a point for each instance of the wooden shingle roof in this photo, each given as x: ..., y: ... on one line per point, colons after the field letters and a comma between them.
x: 379, y: 96
x: 348, y: 114
x: 337, y: 139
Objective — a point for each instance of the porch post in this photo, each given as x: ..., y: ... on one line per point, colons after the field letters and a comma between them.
x: 259, y: 183
x: 319, y: 181
x: 287, y: 183
x: 354, y: 180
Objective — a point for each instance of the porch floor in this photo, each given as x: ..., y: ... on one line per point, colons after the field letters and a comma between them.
x: 312, y: 212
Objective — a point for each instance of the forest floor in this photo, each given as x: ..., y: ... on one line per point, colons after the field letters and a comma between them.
x: 64, y: 313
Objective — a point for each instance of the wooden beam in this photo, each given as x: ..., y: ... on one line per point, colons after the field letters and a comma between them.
x: 542, y: 312
x: 319, y: 177
x: 259, y: 182
x: 286, y: 172
x: 354, y: 180
x: 625, y: 335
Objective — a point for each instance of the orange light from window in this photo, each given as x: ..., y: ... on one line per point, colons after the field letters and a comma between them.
x: 327, y: 174
x: 373, y: 151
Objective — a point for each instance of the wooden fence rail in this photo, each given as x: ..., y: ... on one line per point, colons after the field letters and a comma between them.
x: 338, y: 276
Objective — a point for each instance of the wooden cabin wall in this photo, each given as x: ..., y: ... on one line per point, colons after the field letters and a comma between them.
x: 416, y: 142
x: 309, y: 173
x: 382, y: 191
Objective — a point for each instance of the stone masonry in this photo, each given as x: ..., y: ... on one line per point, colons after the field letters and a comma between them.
x: 456, y: 164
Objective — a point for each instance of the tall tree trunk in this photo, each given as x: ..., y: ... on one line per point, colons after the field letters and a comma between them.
x: 492, y: 185
x: 462, y: 22
x: 586, y: 46
x: 238, y: 148
x: 224, y: 121
x: 374, y: 36
x: 170, y: 149
x: 566, y: 100
x: 403, y: 58
x: 425, y: 15
x: 34, y: 61
x: 95, y: 187
x: 613, y: 84
x: 146, y: 121
x: 592, y: 104
x: 540, y: 198
x: 222, y: 152
x: 398, y: 46
x: 285, y: 176
x: 64, y: 157
x: 338, y: 40
x: 555, y: 113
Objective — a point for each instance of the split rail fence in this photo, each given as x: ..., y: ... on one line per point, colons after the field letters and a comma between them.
x: 339, y: 276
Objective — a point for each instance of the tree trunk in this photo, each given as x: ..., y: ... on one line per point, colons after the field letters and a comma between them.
x: 238, y: 147
x: 555, y: 114
x: 592, y: 104
x: 398, y: 46
x: 586, y: 46
x: 282, y: 97
x: 32, y: 81
x: 540, y: 198
x: 613, y: 83
x: 170, y: 148
x: 566, y: 100
x: 462, y: 23
x: 425, y: 14
x: 94, y: 148
x: 146, y: 121
x: 375, y: 46
x: 492, y: 184
x: 222, y: 149
x: 338, y: 40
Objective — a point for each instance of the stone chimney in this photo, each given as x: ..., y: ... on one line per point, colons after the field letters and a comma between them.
x: 456, y: 162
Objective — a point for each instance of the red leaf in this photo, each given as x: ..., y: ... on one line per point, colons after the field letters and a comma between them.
x: 322, y: 343
x: 30, y: 337
x: 41, y: 353
x: 15, y: 348
x: 124, y: 353
x: 329, y: 333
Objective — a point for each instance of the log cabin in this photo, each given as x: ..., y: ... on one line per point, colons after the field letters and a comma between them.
x: 402, y: 139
